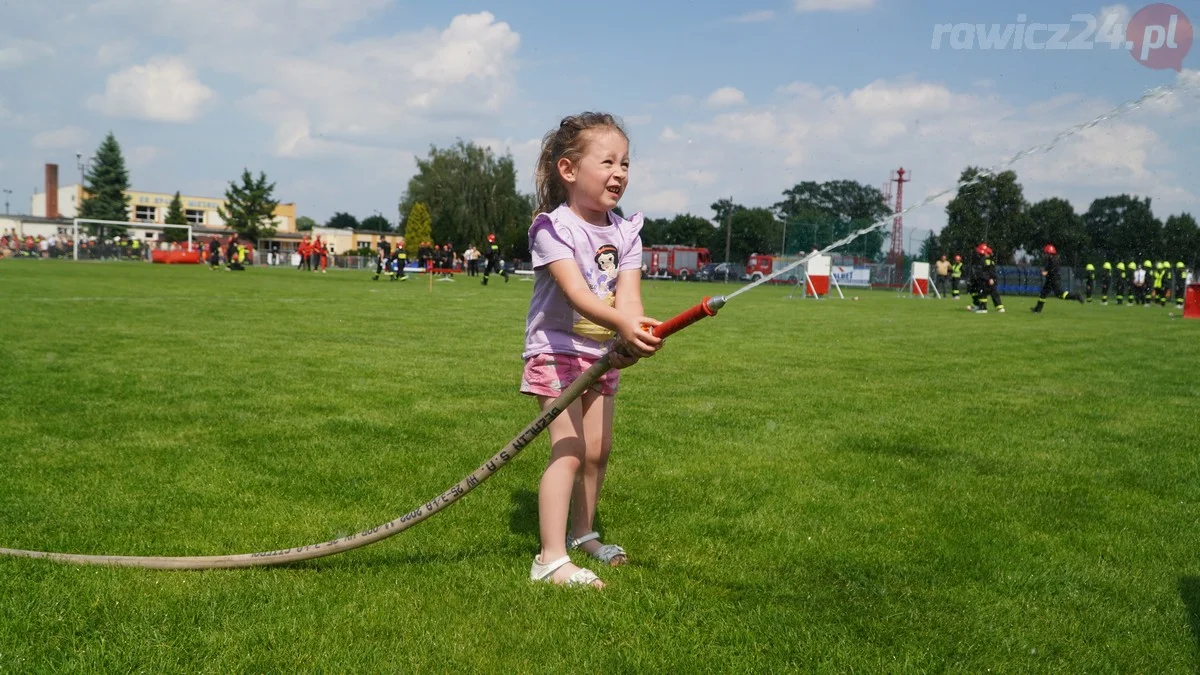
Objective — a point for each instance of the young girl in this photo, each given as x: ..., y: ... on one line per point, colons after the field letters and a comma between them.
x: 587, y: 298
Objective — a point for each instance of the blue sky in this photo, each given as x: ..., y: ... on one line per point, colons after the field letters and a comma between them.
x: 334, y: 98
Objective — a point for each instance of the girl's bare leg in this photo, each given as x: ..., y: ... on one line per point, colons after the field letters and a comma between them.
x: 567, y: 451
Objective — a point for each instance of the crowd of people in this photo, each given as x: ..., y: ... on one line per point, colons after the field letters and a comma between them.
x: 13, y: 245
x: 1129, y: 283
x: 234, y: 253
x: 392, y: 260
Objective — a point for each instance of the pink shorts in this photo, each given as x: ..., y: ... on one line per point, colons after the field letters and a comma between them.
x: 551, y: 374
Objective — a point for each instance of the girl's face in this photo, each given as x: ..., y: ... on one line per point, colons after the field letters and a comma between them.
x: 597, y: 181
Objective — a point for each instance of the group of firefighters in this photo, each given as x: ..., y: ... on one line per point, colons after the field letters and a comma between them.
x: 1130, y: 283
x: 393, y: 260
x: 236, y: 253
x: 314, y: 254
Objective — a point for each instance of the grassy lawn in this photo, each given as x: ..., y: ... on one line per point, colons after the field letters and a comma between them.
x: 891, y: 484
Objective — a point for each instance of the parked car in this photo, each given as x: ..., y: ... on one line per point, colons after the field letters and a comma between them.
x: 720, y: 272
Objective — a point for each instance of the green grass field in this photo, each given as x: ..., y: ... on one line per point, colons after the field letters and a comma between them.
x: 883, y: 485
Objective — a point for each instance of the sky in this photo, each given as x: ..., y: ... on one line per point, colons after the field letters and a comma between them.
x: 335, y: 99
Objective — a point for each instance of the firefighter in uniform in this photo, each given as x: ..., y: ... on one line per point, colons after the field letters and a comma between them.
x: 381, y: 261
x: 1120, y: 285
x: 1159, y: 279
x: 1131, y: 268
x: 492, y: 251
x: 1106, y: 278
x: 983, y: 281
x: 1089, y: 283
x: 956, y: 275
x: 1051, y: 281
x: 399, y: 261
x: 1180, y: 283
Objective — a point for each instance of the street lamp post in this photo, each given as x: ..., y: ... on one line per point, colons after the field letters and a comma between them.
x: 83, y: 165
x: 6, y: 192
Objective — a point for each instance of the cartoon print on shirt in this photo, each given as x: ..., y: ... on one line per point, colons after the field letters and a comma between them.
x: 604, y: 285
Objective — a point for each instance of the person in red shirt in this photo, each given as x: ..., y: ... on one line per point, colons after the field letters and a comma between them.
x: 321, y: 251
x: 302, y: 249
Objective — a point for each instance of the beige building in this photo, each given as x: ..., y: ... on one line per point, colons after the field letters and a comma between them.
x: 151, y: 207
x: 53, y: 209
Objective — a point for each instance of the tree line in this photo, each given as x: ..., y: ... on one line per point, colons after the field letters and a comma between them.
x: 470, y: 191
x: 1114, y: 228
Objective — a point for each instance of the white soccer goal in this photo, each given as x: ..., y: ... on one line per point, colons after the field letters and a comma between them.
x: 156, y: 227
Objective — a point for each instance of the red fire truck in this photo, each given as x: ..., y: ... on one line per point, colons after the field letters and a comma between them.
x: 759, y: 265
x: 673, y: 261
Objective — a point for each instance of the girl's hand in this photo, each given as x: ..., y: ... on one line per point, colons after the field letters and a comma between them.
x: 636, y: 340
x: 619, y: 358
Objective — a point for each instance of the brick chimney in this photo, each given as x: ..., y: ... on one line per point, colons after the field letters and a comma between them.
x: 52, y: 191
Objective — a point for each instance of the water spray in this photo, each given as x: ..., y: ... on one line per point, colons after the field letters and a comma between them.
x: 708, y: 307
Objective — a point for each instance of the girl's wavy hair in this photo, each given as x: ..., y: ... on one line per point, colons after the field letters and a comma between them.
x: 565, y: 141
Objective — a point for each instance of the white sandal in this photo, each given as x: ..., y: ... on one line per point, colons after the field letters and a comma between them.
x: 545, y: 571
x: 605, y: 554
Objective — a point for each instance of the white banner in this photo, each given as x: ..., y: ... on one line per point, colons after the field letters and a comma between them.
x: 852, y: 276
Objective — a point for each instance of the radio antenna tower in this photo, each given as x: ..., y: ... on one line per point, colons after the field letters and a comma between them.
x: 896, y: 255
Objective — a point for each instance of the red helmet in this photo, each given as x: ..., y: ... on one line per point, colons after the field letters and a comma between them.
x: 983, y: 249
x: 1050, y: 250
x: 491, y: 237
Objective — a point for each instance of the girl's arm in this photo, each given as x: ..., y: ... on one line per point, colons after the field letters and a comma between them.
x: 628, y: 326
x: 629, y: 292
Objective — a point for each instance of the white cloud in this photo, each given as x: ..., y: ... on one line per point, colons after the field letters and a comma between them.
x: 757, y: 16
x: 115, y: 53
x: 164, y: 90
x: 141, y: 156
x: 809, y: 132
x: 725, y: 96
x: 880, y: 96
x: 70, y: 137
x: 224, y: 25
x: 666, y: 201
x: 831, y: 5
x: 410, y: 85
x: 22, y: 52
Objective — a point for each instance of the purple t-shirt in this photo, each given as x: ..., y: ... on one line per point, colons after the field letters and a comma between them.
x: 553, y: 326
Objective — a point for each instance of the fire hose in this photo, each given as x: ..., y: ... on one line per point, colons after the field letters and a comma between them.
x: 708, y: 307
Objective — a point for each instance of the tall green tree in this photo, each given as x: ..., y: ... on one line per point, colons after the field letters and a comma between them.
x: 1054, y: 221
x: 751, y: 231
x: 175, y: 216
x: 1181, y: 239
x: 723, y: 210
x: 930, y: 249
x: 654, y: 231
x: 305, y: 224
x: 1124, y: 227
x: 685, y: 229
x: 470, y: 192
x: 249, y: 208
x: 343, y: 221
x: 991, y: 209
x: 418, y: 228
x: 818, y: 214
x: 106, y: 187
x: 375, y: 223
